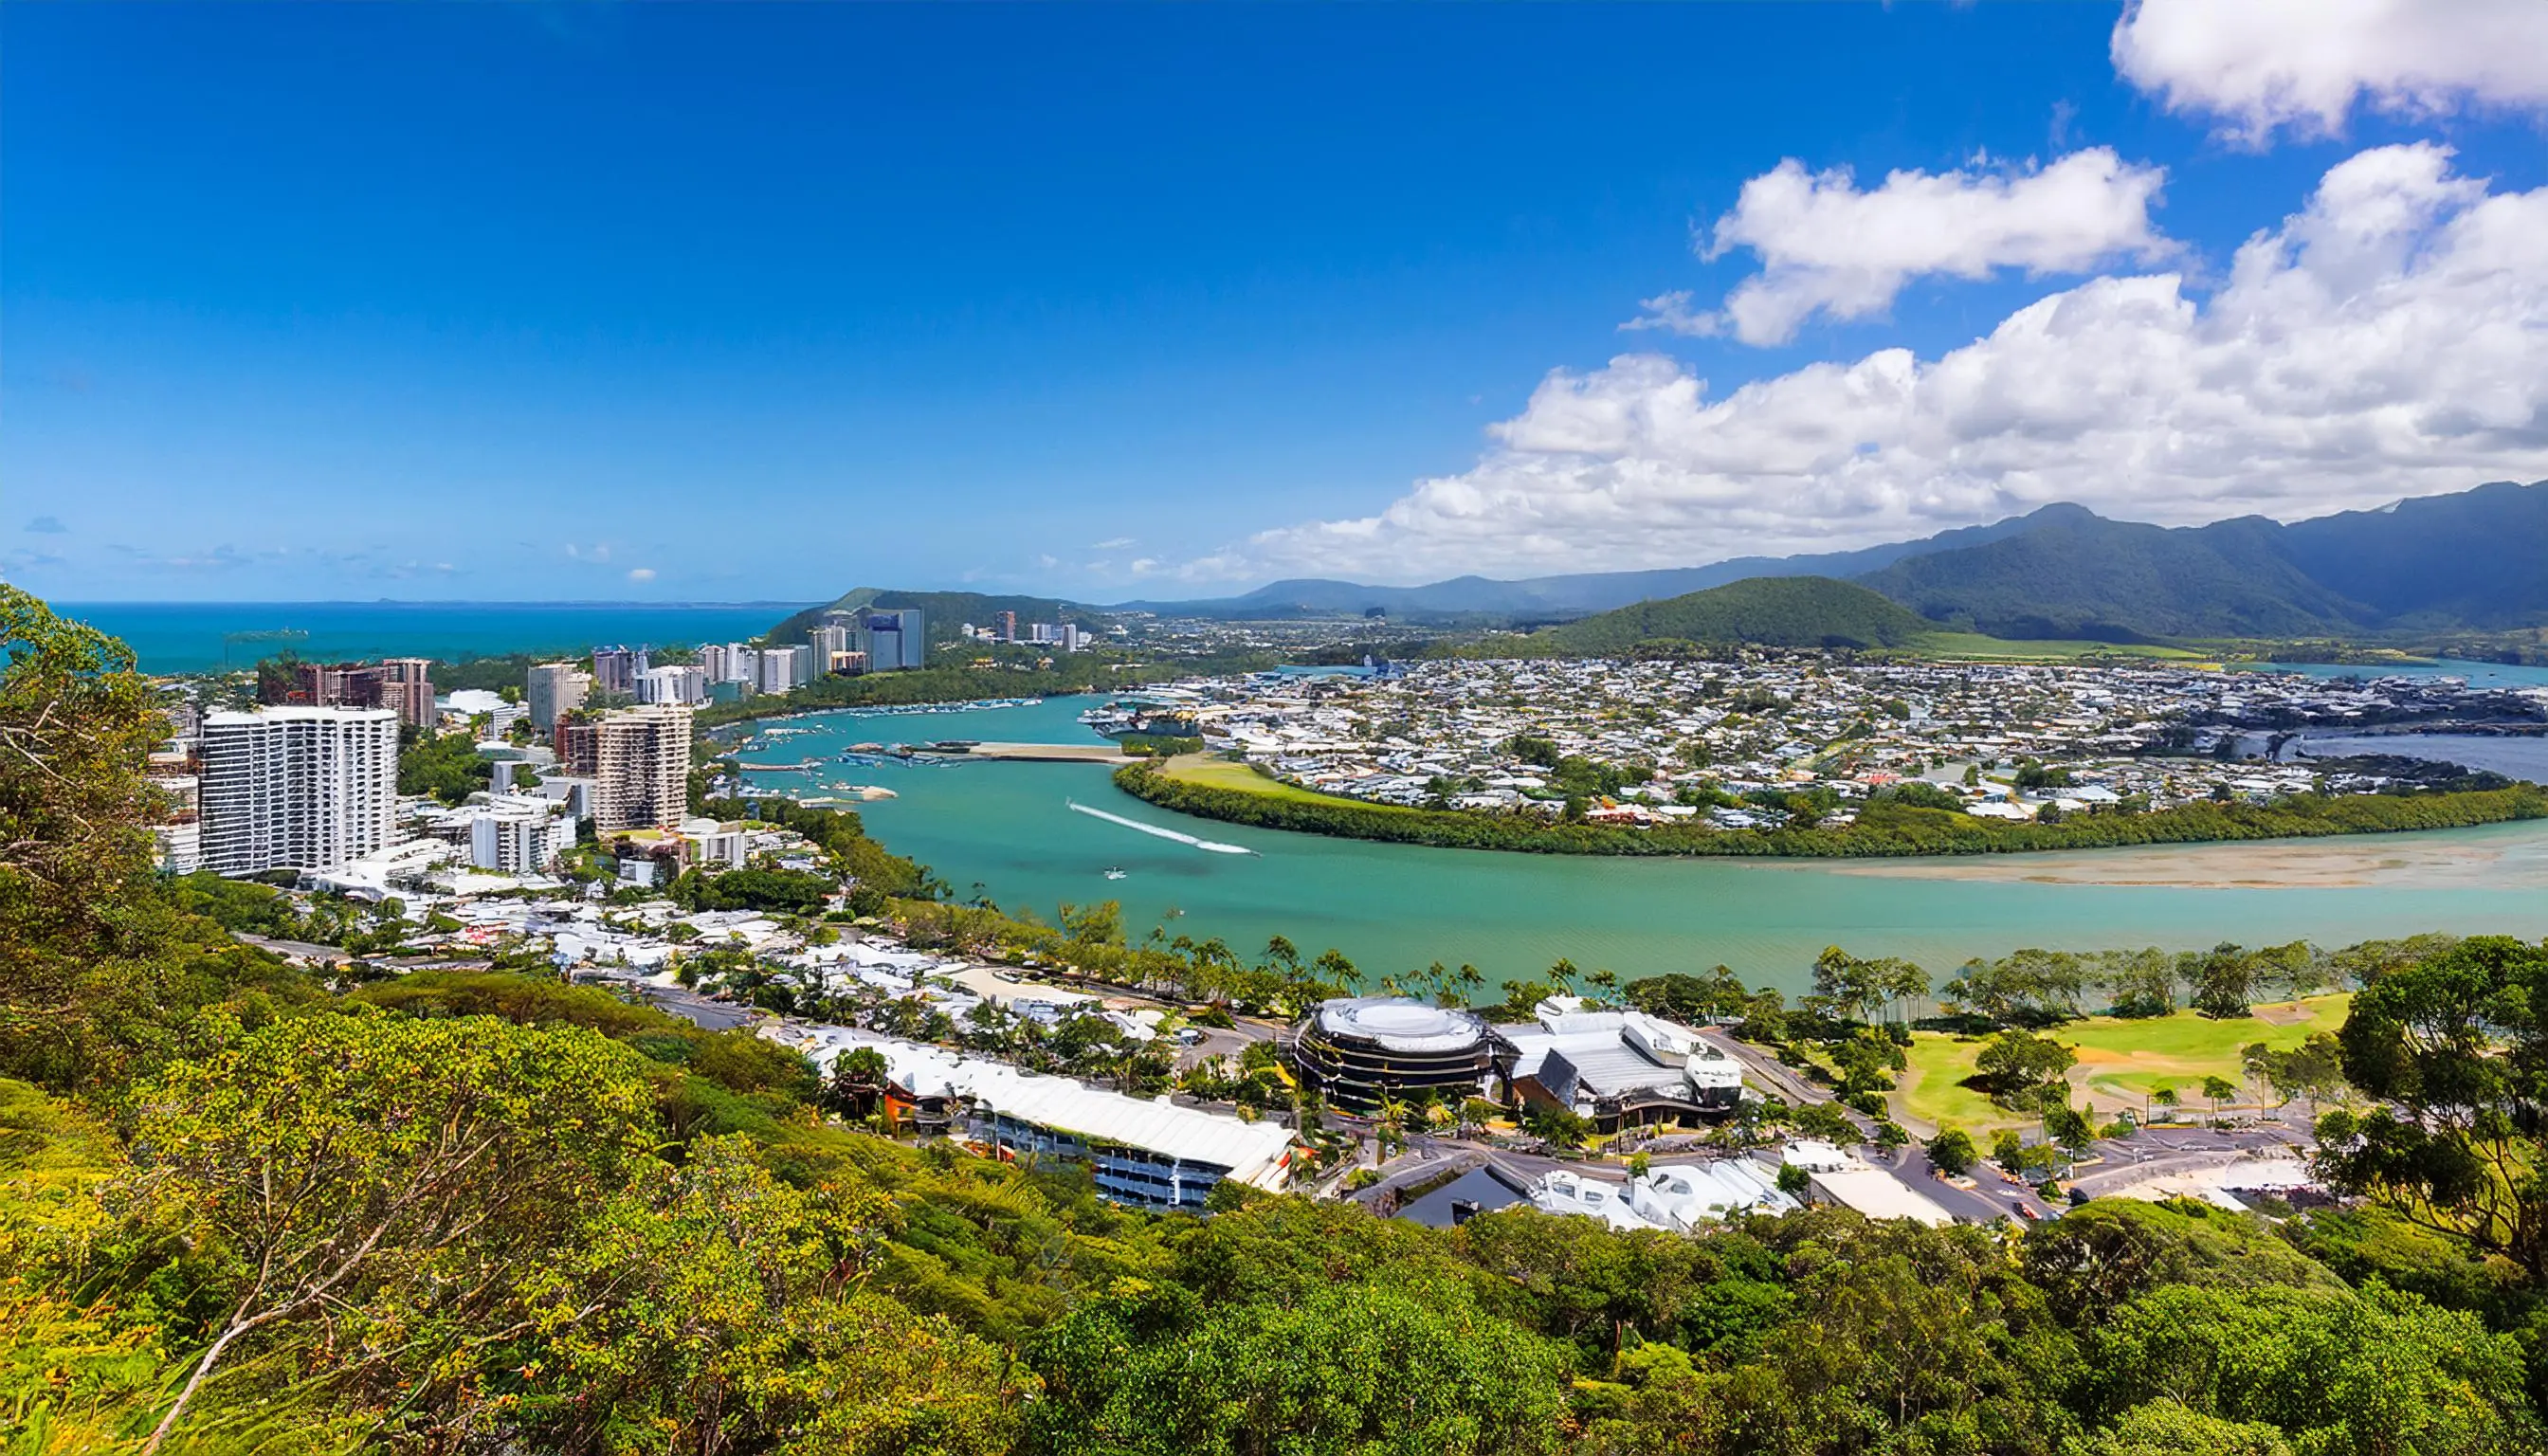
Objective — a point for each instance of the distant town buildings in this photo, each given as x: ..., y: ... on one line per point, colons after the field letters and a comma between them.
x: 298, y: 787
x: 1068, y: 636
x: 553, y: 690
x: 402, y: 684
x: 639, y: 762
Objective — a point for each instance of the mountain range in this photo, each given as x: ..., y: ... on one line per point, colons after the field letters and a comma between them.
x: 2476, y: 559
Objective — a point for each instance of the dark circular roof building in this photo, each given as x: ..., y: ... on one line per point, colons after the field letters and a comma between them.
x: 1354, y: 1050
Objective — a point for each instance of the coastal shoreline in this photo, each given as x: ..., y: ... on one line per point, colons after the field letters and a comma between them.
x: 1921, y: 834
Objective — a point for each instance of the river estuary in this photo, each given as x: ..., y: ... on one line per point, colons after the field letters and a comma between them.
x: 1009, y: 829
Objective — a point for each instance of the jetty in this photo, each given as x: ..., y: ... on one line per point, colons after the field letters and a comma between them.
x: 1051, y: 753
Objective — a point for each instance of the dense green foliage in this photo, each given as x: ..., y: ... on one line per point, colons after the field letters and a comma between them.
x: 1773, y: 611
x: 788, y: 890
x: 1883, y: 829
x: 443, y: 765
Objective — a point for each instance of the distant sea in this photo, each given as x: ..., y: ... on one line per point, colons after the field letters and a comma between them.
x: 201, y: 636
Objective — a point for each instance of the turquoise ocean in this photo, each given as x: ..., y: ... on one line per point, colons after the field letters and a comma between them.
x: 202, y: 636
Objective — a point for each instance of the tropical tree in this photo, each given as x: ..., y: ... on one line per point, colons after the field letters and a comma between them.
x: 2451, y: 1048
x: 2218, y: 1090
x: 330, y: 1160
x: 859, y: 1077
x: 2019, y: 1067
x: 81, y: 975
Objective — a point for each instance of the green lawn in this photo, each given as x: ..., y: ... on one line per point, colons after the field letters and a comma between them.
x: 2002, y: 649
x: 2120, y: 1060
x: 1213, y: 773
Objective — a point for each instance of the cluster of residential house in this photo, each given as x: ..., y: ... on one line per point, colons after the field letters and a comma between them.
x: 1692, y: 738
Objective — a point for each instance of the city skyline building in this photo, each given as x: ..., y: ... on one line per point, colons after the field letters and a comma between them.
x: 554, y: 689
x: 297, y: 787
x: 892, y: 637
x: 639, y: 762
x: 685, y: 684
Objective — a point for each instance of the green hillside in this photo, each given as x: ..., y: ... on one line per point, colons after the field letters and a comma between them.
x: 946, y: 611
x: 1773, y: 611
x: 2478, y: 557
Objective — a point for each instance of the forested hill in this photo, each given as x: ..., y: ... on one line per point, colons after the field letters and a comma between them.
x: 2475, y: 559
x: 1773, y: 611
x: 2078, y: 574
x: 946, y: 611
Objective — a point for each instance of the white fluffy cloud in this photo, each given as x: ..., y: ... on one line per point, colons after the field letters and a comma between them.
x: 2263, y: 64
x: 1825, y: 247
x: 2389, y: 339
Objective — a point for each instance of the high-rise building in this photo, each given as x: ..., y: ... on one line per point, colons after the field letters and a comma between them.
x: 553, y: 690
x: 615, y: 668
x: 685, y: 685
x: 409, y: 680
x: 519, y: 833
x: 783, y: 667
x: 176, y: 770
x: 896, y: 638
x: 639, y: 762
x: 298, y: 787
x: 732, y: 663
x: 1073, y: 637
x: 829, y: 641
x: 1008, y: 626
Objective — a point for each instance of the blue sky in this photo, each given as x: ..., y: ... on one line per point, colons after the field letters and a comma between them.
x: 726, y: 303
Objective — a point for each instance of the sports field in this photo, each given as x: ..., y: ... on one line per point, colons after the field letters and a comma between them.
x: 2120, y: 1060
x: 1976, y: 646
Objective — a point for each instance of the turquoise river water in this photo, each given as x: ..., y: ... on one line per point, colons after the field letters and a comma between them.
x: 1007, y: 828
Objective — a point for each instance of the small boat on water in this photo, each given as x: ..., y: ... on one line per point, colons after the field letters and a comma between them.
x: 1115, y: 872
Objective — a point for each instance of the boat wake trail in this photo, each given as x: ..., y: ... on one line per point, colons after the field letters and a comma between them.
x: 1205, y: 845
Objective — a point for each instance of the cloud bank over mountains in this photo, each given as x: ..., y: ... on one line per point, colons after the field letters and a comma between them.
x: 2389, y: 338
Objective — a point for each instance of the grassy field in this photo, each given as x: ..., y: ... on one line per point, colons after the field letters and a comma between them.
x: 1212, y: 773
x: 1973, y: 645
x: 2120, y: 1060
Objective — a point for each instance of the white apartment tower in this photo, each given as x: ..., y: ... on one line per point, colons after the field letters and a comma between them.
x: 519, y: 835
x: 786, y: 668
x: 303, y: 788
x: 639, y: 762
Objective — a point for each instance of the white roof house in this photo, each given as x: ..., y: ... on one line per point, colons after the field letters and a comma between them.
x: 1845, y: 1178
x: 1251, y: 1152
x: 1563, y: 1191
x: 1685, y: 1196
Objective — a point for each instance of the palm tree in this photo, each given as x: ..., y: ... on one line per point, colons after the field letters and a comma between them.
x: 2163, y: 1095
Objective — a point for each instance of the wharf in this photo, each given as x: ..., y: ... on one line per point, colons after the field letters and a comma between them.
x: 1051, y: 753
